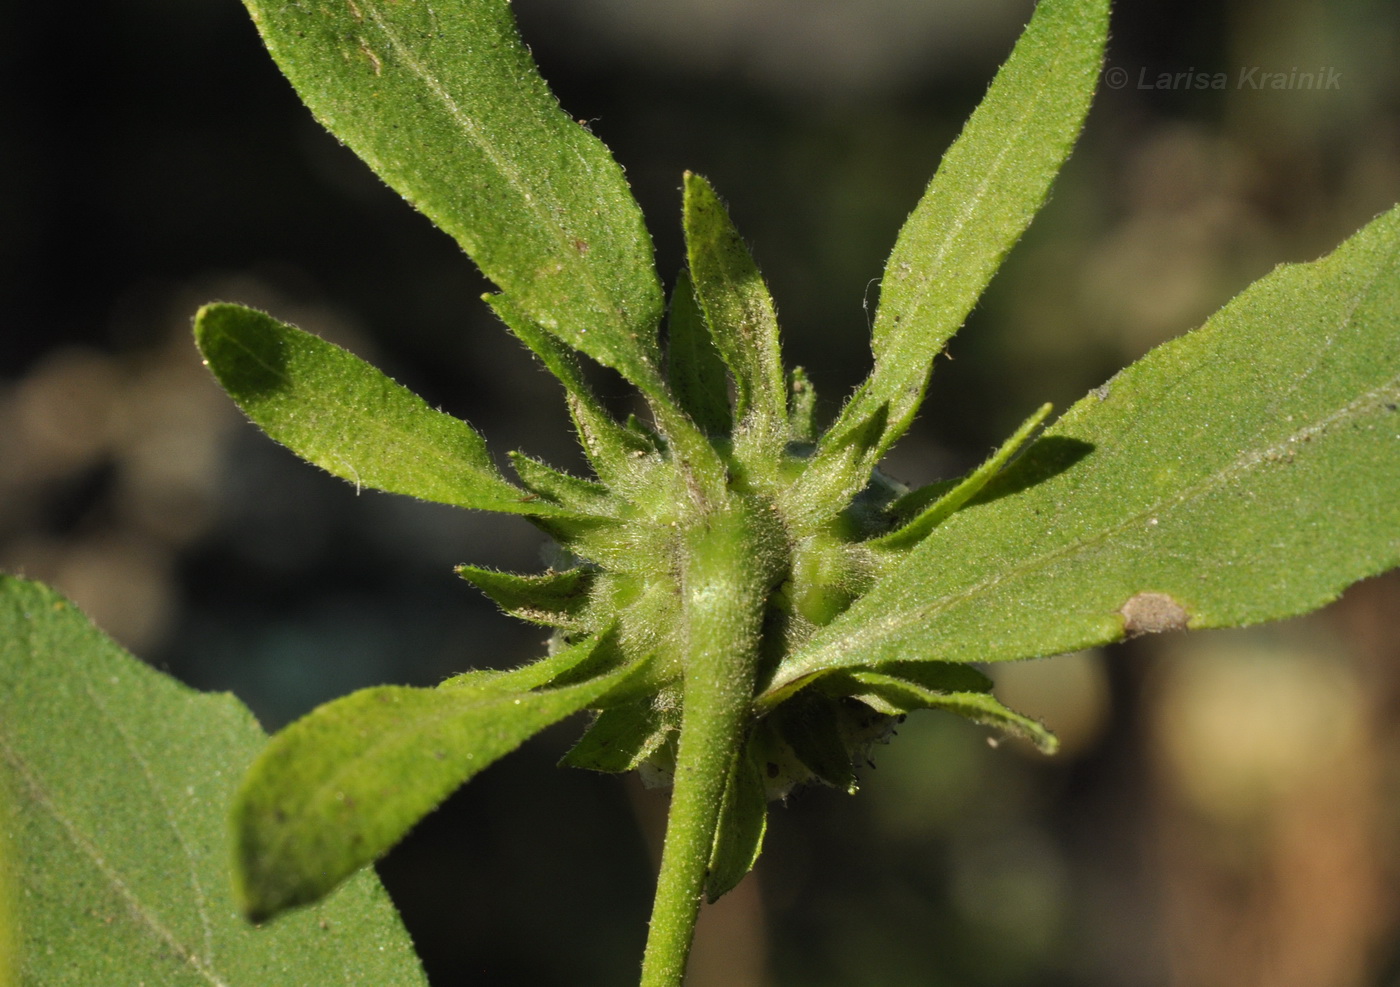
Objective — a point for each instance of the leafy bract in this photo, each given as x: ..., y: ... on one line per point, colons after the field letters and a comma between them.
x: 990, y: 184
x: 339, y: 787
x: 621, y: 738
x: 609, y: 445
x: 120, y: 779
x: 738, y: 310
x: 694, y: 367
x: 606, y: 443
x: 946, y: 502
x: 556, y: 599
x: 743, y: 821
x: 1244, y: 472
x: 802, y: 407
x: 896, y: 695
x: 444, y: 102
x: 338, y: 412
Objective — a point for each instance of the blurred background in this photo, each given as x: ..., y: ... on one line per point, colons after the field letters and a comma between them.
x: 1225, y: 808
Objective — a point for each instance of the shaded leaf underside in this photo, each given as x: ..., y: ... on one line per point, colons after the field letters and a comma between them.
x: 1244, y: 472
x: 339, y: 787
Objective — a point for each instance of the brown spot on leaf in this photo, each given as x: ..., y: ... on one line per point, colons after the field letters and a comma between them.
x: 1152, y: 613
x: 373, y: 58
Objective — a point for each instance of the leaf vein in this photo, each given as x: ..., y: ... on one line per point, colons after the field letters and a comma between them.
x: 21, y: 770
x: 817, y: 660
x: 471, y: 129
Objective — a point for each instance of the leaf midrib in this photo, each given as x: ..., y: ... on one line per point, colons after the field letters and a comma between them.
x: 473, y: 133
x: 380, y: 428
x: 40, y: 795
x: 872, y: 632
x: 910, y: 313
x: 327, y: 790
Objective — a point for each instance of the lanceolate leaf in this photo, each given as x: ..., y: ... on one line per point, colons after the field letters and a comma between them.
x: 611, y: 446
x: 1244, y: 472
x: 339, y: 787
x: 120, y: 780
x: 605, y: 442
x: 743, y: 820
x: 569, y: 663
x: 697, y: 374
x: 585, y: 497
x: 894, y: 695
x: 990, y: 184
x: 738, y: 310
x: 928, y: 676
x: 621, y: 738
x: 553, y: 598
x: 945, y: 505
x: 443, y: 101
x: 333, y: 409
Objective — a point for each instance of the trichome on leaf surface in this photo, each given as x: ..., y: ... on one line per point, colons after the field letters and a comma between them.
x: 749, y: 603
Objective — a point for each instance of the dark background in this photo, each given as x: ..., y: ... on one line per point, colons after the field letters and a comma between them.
x: 1225, y: 808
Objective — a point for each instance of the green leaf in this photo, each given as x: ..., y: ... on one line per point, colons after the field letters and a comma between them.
x: 738, y: 311
x: 556, y: 599
x: 120, y: 779
x: 1242, y: 473
x: 743, y: 820
x: 338, y: 412
x: 989, y: 186
x: 621, y: 738
x: 835, y: 475
x: 443, y: 101
x: 585, y: 498
x: 339, y: 787
x: 694, y: 367
x: 948, y: 503
x: 802, y: 407
x: 893, y: 696
x: 562, y: 664
x: 612, y: 449
x: 812, y: 725
x: 606, y: 443
x: 929, y: 676
x: 913, y: 503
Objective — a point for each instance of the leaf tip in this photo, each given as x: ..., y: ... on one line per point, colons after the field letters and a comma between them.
x: 204, y: 323
x: 1047, y: 743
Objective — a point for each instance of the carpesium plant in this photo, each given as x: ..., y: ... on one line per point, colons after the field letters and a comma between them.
x: 748, y: 603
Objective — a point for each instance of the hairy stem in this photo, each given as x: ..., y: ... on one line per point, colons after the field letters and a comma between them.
x: 723, y: 587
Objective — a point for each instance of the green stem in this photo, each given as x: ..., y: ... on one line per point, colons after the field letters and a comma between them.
x: 723, y: 587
